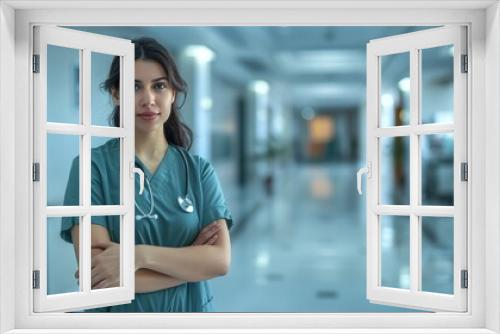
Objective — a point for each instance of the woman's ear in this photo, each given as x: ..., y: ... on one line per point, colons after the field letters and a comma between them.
x: 115, y: 95
x: 173, y: 96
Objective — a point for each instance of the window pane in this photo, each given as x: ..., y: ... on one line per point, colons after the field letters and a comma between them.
x: 63, y: 170
x: 437, y: 169
x: 395, y: 90
x: 105, y: 172
x: 395, y: 251
x: 112, y: 225
x: 395, y: 170
x: 102, y: 103
x: 437, y: 254
x: 63, y: 85
x: 61, y: 259
x: 437, y: 85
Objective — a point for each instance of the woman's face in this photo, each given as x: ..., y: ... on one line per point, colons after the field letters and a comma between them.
x: 153, y: 96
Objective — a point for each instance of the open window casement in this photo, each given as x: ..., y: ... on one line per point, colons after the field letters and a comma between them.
x: 64, y: 187
x: 417, y: 170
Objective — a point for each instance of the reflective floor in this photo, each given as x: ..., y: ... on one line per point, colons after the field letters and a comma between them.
x: 303, y: 249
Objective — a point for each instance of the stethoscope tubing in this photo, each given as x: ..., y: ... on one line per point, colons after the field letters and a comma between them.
x: 184, y: 202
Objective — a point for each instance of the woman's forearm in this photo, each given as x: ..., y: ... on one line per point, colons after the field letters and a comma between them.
x: 148, y: 281
x: 193, y: 263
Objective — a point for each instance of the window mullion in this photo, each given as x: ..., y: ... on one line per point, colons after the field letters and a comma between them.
x: 127, y: 195
x: 78, y: 129
x: 419, y: 129
x: 419, y: 210
x: 415, y: 242
x: 85, y: 237
x: 372, y: 185
x: 95, y: 210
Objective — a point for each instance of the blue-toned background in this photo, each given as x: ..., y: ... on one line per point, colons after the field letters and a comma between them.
x: 280, y: 113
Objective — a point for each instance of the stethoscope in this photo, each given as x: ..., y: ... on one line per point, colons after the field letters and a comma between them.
x: 184, y: 202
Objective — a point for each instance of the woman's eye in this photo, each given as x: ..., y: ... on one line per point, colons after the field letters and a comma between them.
x: 160, y: 85
x: 137, y: 87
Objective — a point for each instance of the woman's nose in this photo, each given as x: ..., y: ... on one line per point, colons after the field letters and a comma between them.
x: 148, y: 97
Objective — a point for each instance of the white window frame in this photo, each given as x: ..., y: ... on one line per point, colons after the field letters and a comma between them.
x: 413, y: 44
x: 84, y: 43
x: 16, y: 19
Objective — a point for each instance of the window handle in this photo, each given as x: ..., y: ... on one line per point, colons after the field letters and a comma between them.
x: 365, y: 170
x: 134, y: 170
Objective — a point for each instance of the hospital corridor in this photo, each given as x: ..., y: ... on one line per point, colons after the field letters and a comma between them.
x: 303, y: 247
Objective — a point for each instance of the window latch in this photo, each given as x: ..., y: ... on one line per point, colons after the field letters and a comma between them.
x: 365, y: 170
x: 134, y: 170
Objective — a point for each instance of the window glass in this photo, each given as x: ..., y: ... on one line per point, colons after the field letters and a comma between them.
x: 63, y: 75
x: 437, y: 169
x: 110, y: 263
x: 102, y: 103
x: 395, y: 90
x: 395, y: 170
x: 62, y: 265
x: 437, y: 254
x: 437, y: 85
x: 63, y: 170
x: 395, y: 251
x: 105, y: 171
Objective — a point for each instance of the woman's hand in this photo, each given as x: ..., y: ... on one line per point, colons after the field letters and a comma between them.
x: 93, y: 252
x: 208, y: 235
x: 106, y: 266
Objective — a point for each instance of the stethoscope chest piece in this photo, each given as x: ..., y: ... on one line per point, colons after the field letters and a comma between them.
x: 185, y: 204
x: 151, y: 217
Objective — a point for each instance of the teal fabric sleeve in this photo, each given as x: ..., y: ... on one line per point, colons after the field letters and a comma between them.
x: 72, y: 197
x: 214, y: 203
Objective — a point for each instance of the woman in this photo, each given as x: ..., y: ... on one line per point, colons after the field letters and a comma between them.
x: 176, y: 251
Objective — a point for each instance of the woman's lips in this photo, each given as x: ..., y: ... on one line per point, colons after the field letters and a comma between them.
x: 148, y: 116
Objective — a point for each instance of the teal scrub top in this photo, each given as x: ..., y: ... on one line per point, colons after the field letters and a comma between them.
x: 173, y: 228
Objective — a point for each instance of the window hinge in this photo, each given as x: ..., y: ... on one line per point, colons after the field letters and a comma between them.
x: 36, y: 63
x: 36, y: 279
x: 464, y: 279
x: 36, y: 172
x: 465, y: 64
x: 464, y: 174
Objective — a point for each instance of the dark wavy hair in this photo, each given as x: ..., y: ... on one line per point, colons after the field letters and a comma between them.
x: 175, y: 131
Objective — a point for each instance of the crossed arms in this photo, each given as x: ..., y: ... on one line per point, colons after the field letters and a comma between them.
x: 158, y: 267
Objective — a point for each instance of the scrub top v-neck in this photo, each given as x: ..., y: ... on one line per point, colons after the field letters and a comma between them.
x: 173, y: 228
x: 147, y: 173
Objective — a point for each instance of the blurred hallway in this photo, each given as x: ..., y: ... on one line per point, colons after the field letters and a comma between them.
x: 303, y: 250
x: 280, y: 112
